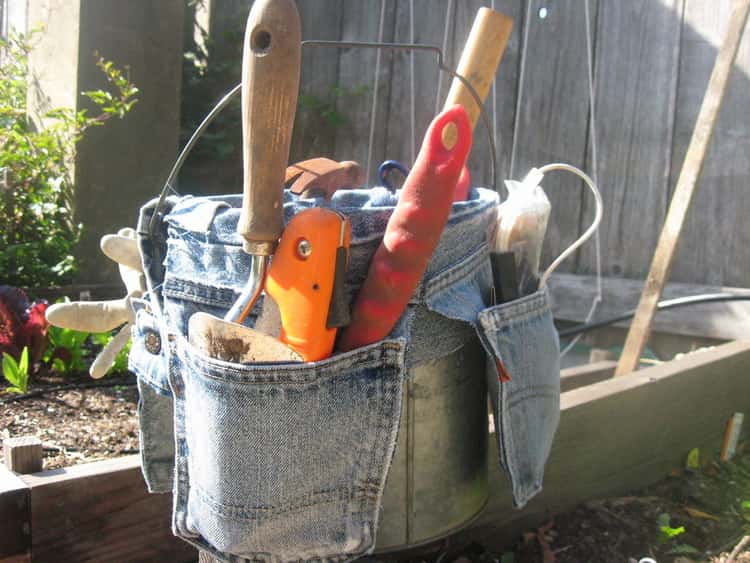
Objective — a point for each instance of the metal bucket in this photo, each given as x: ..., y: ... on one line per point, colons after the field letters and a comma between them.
x: 437, y: 482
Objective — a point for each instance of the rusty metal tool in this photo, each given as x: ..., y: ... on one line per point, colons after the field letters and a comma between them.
x: 270, y: 83
x: 321, y: 177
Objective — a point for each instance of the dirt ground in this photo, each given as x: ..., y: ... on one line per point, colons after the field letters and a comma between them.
x: 691, y: 516
x: 76, y: 424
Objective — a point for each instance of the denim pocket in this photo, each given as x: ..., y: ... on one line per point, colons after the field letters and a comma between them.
x: 522, y: 343
x: 149, y: 362
x: 285, y: 461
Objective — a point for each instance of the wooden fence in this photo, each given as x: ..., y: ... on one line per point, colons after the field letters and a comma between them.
x: 651, y: 62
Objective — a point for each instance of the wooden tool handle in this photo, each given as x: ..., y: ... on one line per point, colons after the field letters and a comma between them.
x: 270, y: 81
x: 482, y: 53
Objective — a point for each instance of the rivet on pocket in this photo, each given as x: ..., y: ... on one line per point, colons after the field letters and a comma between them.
x: 153, y: 343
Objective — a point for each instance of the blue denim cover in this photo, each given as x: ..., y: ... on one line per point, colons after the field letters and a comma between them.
x: 521, y: 334
x: 288, y: 461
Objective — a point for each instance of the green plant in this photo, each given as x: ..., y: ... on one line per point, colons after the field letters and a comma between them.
x: 16, y: 373
x: 36, y: 207
x: 66, y: 351
x: 667, y: 535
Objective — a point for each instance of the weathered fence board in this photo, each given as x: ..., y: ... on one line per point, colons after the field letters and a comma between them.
x: 715, y: 244
x: 634, y: 114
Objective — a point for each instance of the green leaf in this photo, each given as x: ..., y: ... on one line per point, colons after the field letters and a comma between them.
x: 683, y: 549
x: 10, y: 368
x: 670, y: 532
x: 23, y: 365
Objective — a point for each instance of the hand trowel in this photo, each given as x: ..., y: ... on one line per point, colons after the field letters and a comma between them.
x: 270, y: 82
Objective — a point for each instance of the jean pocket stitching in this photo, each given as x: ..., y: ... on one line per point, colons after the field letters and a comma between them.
x: 385, y: 354
x: 341, y: 494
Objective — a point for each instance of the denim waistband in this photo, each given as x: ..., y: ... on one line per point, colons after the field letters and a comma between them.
x: 206, y: 227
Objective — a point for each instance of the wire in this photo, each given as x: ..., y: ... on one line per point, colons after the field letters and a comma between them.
x: 661, y: 306
x: 592, y: 228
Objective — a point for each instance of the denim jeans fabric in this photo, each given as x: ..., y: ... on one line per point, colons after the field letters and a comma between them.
x: 526, y: 409
x: 285, y: 461
x: 288, y: 461
x: 155, y: 411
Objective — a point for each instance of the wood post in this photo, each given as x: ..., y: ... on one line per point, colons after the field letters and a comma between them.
x: 23, y: 454
x: 683, y: 194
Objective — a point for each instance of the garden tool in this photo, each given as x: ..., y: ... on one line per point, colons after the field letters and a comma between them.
x: 413, y: 231
x: 104, y: 316
x: 321, y: 177
x: 270, y: 81
x: 306, y: 281
x: 478, y: 65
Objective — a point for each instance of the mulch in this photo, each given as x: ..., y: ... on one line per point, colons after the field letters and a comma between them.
x: 76, y: 424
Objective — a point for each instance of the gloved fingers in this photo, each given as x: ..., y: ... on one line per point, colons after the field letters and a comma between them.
x: 92, y: 316
x: 107, y: 356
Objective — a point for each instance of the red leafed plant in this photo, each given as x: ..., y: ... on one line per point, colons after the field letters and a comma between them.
x: 22, y: 324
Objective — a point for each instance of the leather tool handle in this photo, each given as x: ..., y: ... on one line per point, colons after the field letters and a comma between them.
x: 478, y: 64
x: 270, y: 82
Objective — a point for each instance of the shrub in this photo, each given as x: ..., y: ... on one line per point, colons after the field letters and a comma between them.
x: 36, y: 187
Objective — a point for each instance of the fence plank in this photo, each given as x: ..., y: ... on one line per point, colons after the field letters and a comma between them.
x: 314, y: 134
x: 553, y: 114
x: 714, y: 249
x: 635, y: 78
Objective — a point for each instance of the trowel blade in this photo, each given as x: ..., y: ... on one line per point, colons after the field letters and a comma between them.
x: 231, y: 342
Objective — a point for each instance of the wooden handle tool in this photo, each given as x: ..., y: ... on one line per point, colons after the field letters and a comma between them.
x: 270, y: 82
x: 480, y: 58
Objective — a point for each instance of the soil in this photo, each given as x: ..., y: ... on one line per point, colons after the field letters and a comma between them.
x: 704, y: 507
x: 76, y: 424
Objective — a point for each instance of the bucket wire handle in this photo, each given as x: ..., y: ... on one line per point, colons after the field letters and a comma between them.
x: 224, y: 101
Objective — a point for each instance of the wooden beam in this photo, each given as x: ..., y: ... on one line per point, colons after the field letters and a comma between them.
x: 101, y: 512
x: 15, y: 518
x: 625, y: 433
x: 683, y: 194
x: 730, y: 320
x: 588, y: 374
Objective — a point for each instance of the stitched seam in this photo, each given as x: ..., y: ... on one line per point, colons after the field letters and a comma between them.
x: 385, y: 356
x: 535, y: 395
x: 313, y: 500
